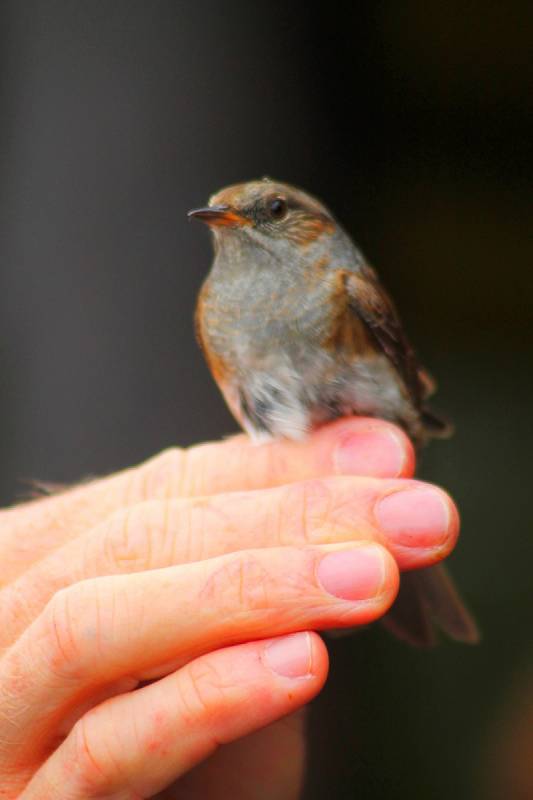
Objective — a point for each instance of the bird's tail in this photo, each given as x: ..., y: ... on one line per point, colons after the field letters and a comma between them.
x: 435, y: 426
x: 427, y: 601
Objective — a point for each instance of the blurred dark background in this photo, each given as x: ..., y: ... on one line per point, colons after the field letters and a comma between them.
x: 414, y: 122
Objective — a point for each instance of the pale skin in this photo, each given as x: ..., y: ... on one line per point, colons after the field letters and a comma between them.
x: 157, y: 627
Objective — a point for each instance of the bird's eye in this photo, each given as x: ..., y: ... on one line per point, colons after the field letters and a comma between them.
x: 277, y: 208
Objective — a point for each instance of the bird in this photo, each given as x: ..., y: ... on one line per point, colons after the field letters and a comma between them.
x: 298, y: 330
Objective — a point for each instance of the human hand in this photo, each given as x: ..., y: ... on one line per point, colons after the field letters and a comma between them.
x: 149, y: 617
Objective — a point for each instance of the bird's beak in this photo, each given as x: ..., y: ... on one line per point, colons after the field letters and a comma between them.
x: 220, y: 216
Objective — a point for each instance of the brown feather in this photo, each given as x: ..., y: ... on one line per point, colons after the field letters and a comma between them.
x: 371, y: 303
x: 428, y: 601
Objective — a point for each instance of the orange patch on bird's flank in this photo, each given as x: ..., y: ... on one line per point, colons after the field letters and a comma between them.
x: 199, y: 315
x: 347, y: 332
x: 216, y: 363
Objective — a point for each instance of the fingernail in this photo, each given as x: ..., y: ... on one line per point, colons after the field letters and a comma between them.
x: 290, y: 656
x: 355, y: 574
x: 372, y: 452
x: 415, y: 517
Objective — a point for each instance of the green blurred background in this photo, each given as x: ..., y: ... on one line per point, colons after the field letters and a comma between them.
x: 414, y: 122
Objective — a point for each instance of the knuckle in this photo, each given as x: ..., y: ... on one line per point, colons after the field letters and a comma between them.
x: 242, y: 582
x: 133, y: 538
x: 165, y: 475
x: 305, y: 511
x: 92, y: 765
x: 75, y: 628
x: 207, y: 468
x: 258, y: 466
x: 211, y: 467
x: 61, y: 621
x: 266, y: 465
x: 203, y: 692
x: 200, y: 469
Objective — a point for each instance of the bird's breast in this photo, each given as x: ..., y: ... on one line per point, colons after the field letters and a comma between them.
x: 247, y: 319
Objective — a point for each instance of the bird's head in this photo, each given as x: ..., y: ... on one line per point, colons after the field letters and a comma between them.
x: 268, y: 213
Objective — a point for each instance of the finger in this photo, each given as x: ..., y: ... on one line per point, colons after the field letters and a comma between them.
x: 143, y: 625
x: 350, y: 446
x: 354, y: 446
x: 417, y: 522
x: 135, y: 745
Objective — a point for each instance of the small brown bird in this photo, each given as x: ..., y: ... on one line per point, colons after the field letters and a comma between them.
x: 297, y: 330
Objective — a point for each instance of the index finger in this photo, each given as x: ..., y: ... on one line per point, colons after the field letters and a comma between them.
x: 352, y: 446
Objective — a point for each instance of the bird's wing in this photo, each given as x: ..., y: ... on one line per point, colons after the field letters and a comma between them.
x: 371, y: 303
